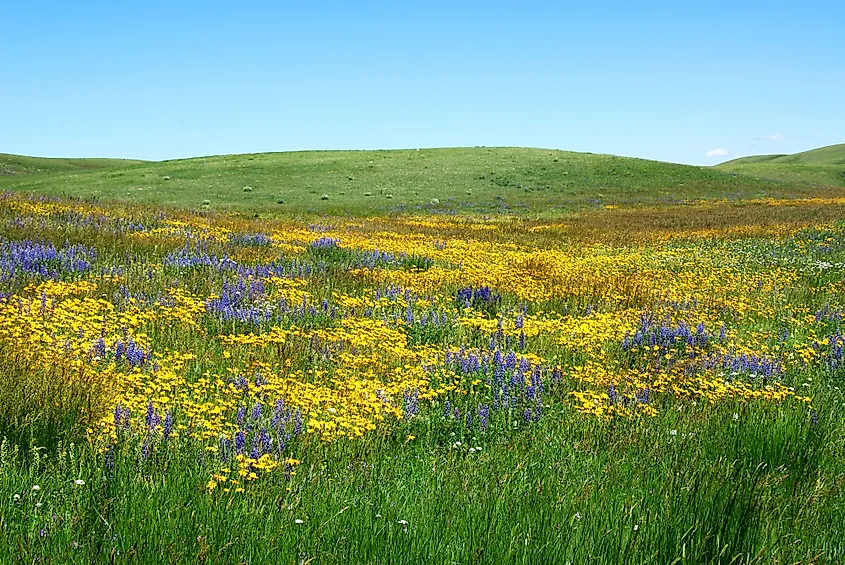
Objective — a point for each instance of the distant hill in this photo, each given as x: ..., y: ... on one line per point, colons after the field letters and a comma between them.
x: 23, y: 165
x: 466, y: 180
x: 823, y: 166
x: 830, y: 155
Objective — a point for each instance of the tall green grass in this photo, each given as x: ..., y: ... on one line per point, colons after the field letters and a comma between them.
x: 733, y: 484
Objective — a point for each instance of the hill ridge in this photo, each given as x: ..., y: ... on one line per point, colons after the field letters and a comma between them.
x: 827, y: 155
x: 440, y: 180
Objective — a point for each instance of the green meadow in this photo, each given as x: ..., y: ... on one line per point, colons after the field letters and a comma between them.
x: 469, y: 355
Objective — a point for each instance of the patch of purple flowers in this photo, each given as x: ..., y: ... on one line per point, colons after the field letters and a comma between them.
x: 251, y: 239
x: 476, y: 296
x: 325, y: 243
x: 43, y: 259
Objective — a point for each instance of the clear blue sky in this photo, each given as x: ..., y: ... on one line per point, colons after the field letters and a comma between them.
x: 661, y: 80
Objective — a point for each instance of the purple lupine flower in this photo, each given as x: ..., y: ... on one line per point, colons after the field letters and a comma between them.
x: 469, y: 420
x: 100, y: 347
x: 611, y: 393
x: 145, y: 450
x: 278, y: 413
x: 256, y: 411
x: 168, y: 424
x: 447, y: 409
x: 265, y: 441
x: 526, y: 416
x: 411, y: 399
x: 255, y: 449
x: 483, y: 416
x: 297, y: 422
x: 510, y: 360
x: 241, y: 384
x: 240, y: 416
x: 240, y: 442
x: 498, y: 367
x: 118, y: 415
x: 814, y: 418
x: 280, y: 444
x: 151, y: 415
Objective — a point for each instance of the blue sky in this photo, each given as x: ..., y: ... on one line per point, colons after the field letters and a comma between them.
x: 661, y: 80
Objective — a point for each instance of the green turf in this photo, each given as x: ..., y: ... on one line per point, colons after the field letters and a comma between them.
x: 481, y: 179
x: 824, y: 166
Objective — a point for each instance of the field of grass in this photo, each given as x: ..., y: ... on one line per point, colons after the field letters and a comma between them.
x: 823, y: 167
x: 648, y: 368
x: 463, y: 180
x: 654, y: 385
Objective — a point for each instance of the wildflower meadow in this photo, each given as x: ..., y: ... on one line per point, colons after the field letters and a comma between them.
x: 656, y: 384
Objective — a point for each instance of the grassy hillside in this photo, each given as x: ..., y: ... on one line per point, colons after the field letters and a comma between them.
x: 457, y: 179
x: 823, y: 166
x: 830, y: 155
x: 23, y: 165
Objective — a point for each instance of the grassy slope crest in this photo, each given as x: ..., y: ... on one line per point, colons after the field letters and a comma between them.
x: 24, y: 165
x: 479, y: 179
x: 823, y: 166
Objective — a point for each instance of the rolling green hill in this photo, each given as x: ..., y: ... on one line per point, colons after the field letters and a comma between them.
x: 830, y: 155
x: 823, y: 166
x: 480, y: 179
x: 22, y: 165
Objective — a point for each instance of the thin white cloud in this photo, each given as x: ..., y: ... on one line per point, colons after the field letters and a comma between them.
x: 717, y: 153
x: 774, y: 137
